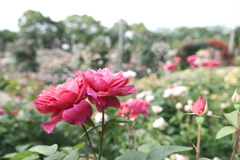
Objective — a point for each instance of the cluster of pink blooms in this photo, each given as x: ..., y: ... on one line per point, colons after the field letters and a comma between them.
x: 67, y: 102
x: 209, y: 64
x: 13, y: 112
x: 133, y: 107
x: 193, y: 63
x: 171, y: 66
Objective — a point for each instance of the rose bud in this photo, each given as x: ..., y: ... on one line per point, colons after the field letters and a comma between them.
x: 200, y: 107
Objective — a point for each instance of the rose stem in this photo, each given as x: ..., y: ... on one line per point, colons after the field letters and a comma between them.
x: 198, y: 142
x: 102, y: 135
x: 84, y: 128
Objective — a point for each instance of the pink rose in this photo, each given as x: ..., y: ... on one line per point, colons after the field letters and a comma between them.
x: 191, y: 58
x: 211, y: 64
x: 200, y: 106
x: 65, y: 102
x: 14, y: 112
x: 133, y: 107
x: 103, y: 86
x: 2, y: 111
x: 177, y: 59
x: 170, y: 66
x: 192, y: 65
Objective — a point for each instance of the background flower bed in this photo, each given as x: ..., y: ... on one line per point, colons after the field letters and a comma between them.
x: 216, y: 84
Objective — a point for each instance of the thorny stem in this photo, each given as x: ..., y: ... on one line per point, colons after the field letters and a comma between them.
x: 198, y: 143
x: 84, y: 128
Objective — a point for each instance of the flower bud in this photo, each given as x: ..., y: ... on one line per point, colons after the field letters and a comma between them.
x: 235, y: 97
x: 200, y: 107
x: 236, y: 100
x: 179, y: 105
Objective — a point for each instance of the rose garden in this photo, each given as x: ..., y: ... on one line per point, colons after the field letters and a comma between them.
x: 157, y: 96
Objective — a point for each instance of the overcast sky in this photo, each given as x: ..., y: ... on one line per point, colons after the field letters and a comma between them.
x: 153, y: 13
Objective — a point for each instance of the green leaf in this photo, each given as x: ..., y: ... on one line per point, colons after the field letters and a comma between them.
x: 67, y: 149
x: 21, y: 148
x: 133, y: 155
x: 78, y: 146
x: 32, y: 157
x: 23, y: 155
x: 225, y: 131
x: 145, y: 148
x: 115, y: 117
x: 232, y: 118
x: 119, y: 120
x: 162, y: 152
x: 56, y: 156
x: 74, y: 155
x: 45, y: 150
x: 10, y: 155
x: 89, y: 122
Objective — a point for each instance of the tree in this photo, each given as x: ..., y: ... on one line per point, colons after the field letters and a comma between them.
x: 5, y: 37
x: 33, y: 25
x: 85, y: 28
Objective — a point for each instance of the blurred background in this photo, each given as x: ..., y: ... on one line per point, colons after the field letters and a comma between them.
x: 45, y: 42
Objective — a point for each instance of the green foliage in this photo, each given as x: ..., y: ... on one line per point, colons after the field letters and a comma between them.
x: 24, y: 51
x: 158, y: 153
x: 225, y: 131
x: 85, y: 28
x: 5, y: 37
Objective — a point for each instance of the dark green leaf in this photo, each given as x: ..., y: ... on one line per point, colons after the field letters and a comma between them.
x: 162, y: 152
x: 89, y: 122
x: 74, y: 155
x: 23, y: 155
x: 225, y: 131
x: 56, y: 156
x: 78, y: 146
x: 21, y: 148
x: 133, y: 155
x: 45, y: 150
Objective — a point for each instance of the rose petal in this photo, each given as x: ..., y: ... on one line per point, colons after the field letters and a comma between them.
x: 51, y: 107
x: 55, y: 118
x: 127, y: 90
x: 78, y: 113
x: 97, y: 83
x: 111, y: 101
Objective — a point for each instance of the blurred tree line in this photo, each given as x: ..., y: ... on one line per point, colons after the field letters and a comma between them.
x: 85, y: 29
